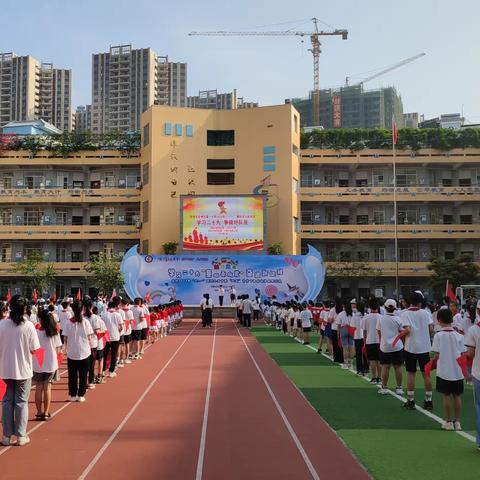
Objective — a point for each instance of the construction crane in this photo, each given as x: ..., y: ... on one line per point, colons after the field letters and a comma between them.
x: 386, y: 70
x: 316, y: 50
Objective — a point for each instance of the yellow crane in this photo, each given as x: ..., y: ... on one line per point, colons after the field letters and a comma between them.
x: 316, y: 50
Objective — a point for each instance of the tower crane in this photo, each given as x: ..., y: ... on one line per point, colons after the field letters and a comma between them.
x: 315, y: 50
x: 386, y: 70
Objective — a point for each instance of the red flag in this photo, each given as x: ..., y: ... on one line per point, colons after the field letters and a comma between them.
x: 429, y: 366
x: 39, y: 354
x: 59, y: 358
x: 35, y: 296
x: 3, y: 388
x: 147, y: 297
x: 9, y: 296
x: 54, y: 296
x: 449, y: 292
x: 394, y: 131
x: 398, y: 338
x: 78, y: 296
x: 464, y: 362
x: 114, y: 293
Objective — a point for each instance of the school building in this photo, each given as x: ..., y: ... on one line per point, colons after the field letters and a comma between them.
x: 70, y: 207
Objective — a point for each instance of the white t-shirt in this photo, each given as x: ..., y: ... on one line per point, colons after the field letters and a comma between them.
x: 50, y: 360
x: 389, y: 327
x: 121, y: 312
x: 465, y: 324
x: 356, y: 322
x: 64, y: 316
x: 139, y: 317
x: 333, y: 318
x: 306, y: 318
x: 207, y: 304
x: 78, y: 339
x: 16, y: 346
x: 96, y: 325
x: 129, y: 318
x: 343, y: 319
x: 103, y: 328
x: 418, y: 340
x: 472, y: 339
x: 449, y: 345
x: 247, y: 306
x: 113, y: 321
x: 369, y: 325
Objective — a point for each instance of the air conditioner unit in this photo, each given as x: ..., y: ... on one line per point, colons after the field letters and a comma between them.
x: 316, y: 182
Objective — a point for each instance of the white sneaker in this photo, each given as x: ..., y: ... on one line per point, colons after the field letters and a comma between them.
x: 6, y: 441
x: 448, y: 426
x: 457, y: 426
x: 383, y: 391
x: 91, y: 386
x: 120, y: 365
x: 399, y: 391
x: 344, y: 366
x: 72, y: 399
x: 112, y: 375
x: 128, y: 361
x: 21, y: 441
x: 81, y: 399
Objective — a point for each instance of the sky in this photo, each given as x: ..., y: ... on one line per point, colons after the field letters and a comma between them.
x: 267, y: 69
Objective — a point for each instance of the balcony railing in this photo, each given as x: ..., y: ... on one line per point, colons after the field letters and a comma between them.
x: 362, y: 232
x: 70, y: 269
x: 55, y: 194
x: 381, y: 194
x: 388, y: 269
x: 68, y: 232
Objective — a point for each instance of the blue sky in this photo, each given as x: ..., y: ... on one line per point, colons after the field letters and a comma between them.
x: 268, y: 70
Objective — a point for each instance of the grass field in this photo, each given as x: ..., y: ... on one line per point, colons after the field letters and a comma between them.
x: 390, y: 442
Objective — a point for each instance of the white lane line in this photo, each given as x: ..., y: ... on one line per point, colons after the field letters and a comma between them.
x: 290, y: 429
x: 399, y: 397
x: 203, y: 436
x: 112, y: 437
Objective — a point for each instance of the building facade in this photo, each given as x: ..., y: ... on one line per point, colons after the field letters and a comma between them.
x: 30, y: 90
x: 83, y: 118
x: 127, y: 81
x: 353, y: 107
x: 219, y: 101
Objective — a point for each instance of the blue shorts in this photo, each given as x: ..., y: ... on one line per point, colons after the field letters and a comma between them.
x: 328, y: 330
x: 347, y: 339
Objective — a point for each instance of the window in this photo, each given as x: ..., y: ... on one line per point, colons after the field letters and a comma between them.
x: 296, y: 225
x: 379, y: 254
x: 363, y: 256
x: 447, y: 182
x: 361, y: 182
x: 448, y: 219
x: 34, y: 181
x: 406, y: 177
x: 217, y: 178
x: 189, y: 130
x: 362, y: 219
x: 295, y: 150
x: 178, y: 129
x: 345, y: 256
x: 464, y: 182
x: 466, y: 219
x: 5, y: 216
x: 145, y: 212
x: 145, y: 173
x: 109, y: 180
x: 32, y: 216
x: 218, y: 138
x: 168, y: 129
x: 220, y: 164
x: 7, y: 180
x: 146, y: 134
x: 406, y: 217
x: 108, y: 249
x: 61, y: 253
x: 408, y: 253
x: 295, y: 123
x: 449, y: 255
x: 77, y: 256
x: 294, y: 185
x: 344, y: 219
x: 109, y: 216
x: 145, y: 247
x: 31, y: 250
x: 132, y: 216
x: 343, y: 182
x: 77, y: 220
x: 61, y: 216
x: 379, y: 217
x: 6, y: 253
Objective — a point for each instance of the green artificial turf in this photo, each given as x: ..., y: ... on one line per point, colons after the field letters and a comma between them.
x: 392, y: 443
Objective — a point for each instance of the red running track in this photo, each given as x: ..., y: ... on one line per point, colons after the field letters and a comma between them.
x: 202, y: 404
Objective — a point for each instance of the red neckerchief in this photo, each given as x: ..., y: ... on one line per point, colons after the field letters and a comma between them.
x: 447, y: 329
x: 413, y: 309
x: 111, y: 310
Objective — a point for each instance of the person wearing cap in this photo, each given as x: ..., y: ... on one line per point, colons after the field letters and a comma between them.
x: 417, y: 348
x: 389, y: 326
x: 472, y: 342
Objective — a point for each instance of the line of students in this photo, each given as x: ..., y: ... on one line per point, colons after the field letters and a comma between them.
x: 376, y: 338
x: 96, y: 344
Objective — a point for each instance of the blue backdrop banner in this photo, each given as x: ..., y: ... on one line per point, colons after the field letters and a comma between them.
x: 188, y: 277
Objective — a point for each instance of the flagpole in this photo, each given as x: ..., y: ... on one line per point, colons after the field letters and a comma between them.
x: 394, y: 141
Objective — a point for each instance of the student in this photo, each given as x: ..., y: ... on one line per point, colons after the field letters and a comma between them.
x: 344, y: 324
x: 206, y: 306
x: 96, y: 326
x: 233, y: 296
x: 98, y: 363
x: 140, y: 326
x: 114, y: 324
x: 447, y: 347
x: 417, y: 348
x: 388, y: 328
x: 361, y: 362
x: 77, y: 335
x: 267, y: 313
x: 221, y: 293
x: 333, y: 320
x: 256, y: 309
x: 127, y: 337
x: 43, y: 376
x: 372, y: 340
x: 290, y: 319
x: 468, y: 319
x: 18, y: 340
x: 472, y: 342
x: 64, y: 316
x: 306, y: 319
x: 247, y: 309
x: 326, y: 328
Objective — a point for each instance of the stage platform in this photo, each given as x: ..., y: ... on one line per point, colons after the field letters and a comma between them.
x: 193, y: 311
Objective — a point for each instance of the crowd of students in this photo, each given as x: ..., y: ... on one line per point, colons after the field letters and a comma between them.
x: 373, y: 337
x: 97, y: 337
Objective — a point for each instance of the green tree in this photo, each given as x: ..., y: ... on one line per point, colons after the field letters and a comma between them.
x: 275, y: 248
x: 170, y: 248
x: 36, y: 272
x: 105, y: 274
x: 459, y: 271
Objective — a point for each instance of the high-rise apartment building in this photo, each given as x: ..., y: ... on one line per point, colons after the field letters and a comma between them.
x: 412, y: 120
x: 218, y: 101
x: 83, y: 118
x: 31, y: 90
x: 353, y: 107
x: 126, y: 81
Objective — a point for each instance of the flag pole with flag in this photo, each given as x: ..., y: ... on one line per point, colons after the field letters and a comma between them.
x: 114, y: 294
x: 9, y: 296
x: 78, y: 296
x: 395, y: 219
x: 449, y: 292
x: 35, y: 295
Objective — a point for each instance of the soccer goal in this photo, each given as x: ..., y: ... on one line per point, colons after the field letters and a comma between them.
x: 465, y: 292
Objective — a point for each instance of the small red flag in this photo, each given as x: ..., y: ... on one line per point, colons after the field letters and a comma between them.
x: 54, y: 296
x: 394, y: 131
x: 59, y: 358
x: 147, y: 297
x: 78, y: 296
x: 449, y: 292
x: 39, y: 354
x: 398, y: 338
x: 9, y: 296
x: 464, y: 362
x: 3, y: 388
x: 35, y: 295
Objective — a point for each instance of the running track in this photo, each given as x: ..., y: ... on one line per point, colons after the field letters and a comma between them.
x: 202, y: 404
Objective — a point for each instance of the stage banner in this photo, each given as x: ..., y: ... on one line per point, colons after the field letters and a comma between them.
x: 188, y: 277
x: 222, y: 223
